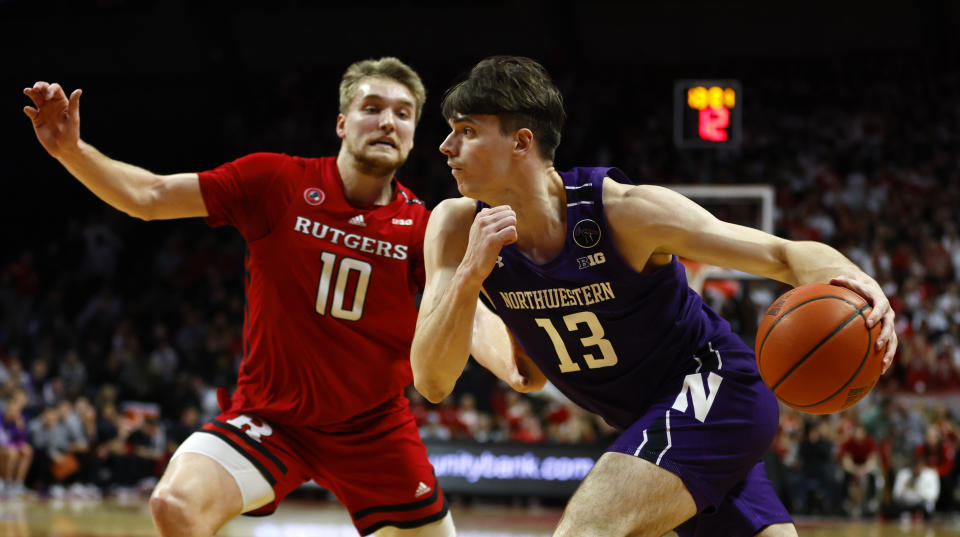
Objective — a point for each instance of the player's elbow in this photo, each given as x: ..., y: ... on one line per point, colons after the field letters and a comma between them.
x: 432, y: 389
x: 140, y: 204
x: 535, y: 384
x: 150, y: 200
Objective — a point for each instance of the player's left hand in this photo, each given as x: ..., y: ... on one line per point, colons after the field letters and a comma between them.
x: 881, y: 313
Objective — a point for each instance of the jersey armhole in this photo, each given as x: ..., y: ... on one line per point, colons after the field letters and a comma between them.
x: 488, y: 302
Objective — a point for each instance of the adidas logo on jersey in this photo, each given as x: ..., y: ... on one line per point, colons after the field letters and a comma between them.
x: 357, y: 220
x: 422, y: 489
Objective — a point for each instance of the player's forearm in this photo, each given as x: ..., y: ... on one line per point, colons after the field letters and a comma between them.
x: 491, y: 346
x: 121, y: 185
x: 441, y: 344
x: 815, y: 262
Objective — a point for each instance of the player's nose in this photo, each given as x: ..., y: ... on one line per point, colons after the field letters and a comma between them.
x: 387, y: 120
x: 446, y: 147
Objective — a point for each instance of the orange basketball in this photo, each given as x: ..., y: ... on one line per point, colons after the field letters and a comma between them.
x: 814, y: 350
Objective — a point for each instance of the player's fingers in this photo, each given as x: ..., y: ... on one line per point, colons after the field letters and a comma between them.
x: 501, y: 235
x: 510, y: 234
x: 31, y: 112
x: 40, y: 86
x: 50, y: 91
x: 891, y: 352
x: 55, y: 91
x: 75, y: 101
x: 494, y: 210
x: 498, y: 221
x: 872, y: 294
x: 886, y: 332
x: 881, y: 307
x: 34, y: 96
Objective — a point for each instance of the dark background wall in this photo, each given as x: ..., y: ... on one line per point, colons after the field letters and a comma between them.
x: 182, y: 86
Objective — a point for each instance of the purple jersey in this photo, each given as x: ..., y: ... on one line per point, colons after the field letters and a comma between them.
x: 645, y: 352
x: 607, y: 337
x: 13, y: 433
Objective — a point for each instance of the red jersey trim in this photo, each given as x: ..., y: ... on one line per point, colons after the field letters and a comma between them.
x: 412, y: 506
x: 408, y: 524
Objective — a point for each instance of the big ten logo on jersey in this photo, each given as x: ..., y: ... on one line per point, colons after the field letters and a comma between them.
x: 402, y: 221
x: 254, y: 427
x: 591, y: 260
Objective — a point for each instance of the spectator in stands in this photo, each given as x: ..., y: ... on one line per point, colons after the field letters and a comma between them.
x: 74, y: 374
x: 179, y: 431
x: 915, y: 491
x: 859, y: 459
x: 51, y: 441
x: 467, y: 414
x: 15, y: 452
x: 147, y: 446
x: 817, y: 487
x: 936, y: 453
x: 490, y: 428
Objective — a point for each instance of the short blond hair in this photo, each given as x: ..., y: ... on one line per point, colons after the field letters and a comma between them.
x: 387, y: 67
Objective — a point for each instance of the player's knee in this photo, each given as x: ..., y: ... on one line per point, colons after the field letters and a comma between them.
x: 171, y: 508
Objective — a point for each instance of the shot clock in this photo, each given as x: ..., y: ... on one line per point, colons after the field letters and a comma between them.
x: 706, y: 113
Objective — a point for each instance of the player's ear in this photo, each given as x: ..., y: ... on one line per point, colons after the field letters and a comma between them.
x: 341, y: 124
x: 522, y: 140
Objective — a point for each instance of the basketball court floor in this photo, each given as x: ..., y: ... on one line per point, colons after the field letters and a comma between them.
x: 303, y: 518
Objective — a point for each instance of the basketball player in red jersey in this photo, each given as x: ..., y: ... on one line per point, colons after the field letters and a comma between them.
x: 335, y: 260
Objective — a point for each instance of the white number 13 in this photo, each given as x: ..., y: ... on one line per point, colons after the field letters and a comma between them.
x: 573, y: 320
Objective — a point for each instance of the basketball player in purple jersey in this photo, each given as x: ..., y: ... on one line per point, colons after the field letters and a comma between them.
x: 582, y: 267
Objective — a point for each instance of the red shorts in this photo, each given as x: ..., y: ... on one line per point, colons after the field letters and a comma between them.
x: 375, y: 464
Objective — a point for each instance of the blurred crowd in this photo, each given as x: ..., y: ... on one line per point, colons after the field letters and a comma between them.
x: 114, y: 333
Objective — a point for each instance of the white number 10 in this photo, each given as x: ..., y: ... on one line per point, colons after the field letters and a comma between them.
x: 347, y: 264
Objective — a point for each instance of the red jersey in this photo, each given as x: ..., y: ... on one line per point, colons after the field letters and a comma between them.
x: 859, y: 451
x: 330, y: 288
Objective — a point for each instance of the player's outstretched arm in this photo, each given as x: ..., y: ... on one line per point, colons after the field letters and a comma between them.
x: 133, y: 190
x: 459, y: 253
x: 648, y: 221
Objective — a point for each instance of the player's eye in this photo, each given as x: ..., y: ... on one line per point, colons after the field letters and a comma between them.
x: 467, y: 131
x: 370, y: 109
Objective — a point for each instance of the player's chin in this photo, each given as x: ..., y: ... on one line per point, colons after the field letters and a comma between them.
x: 384, y: 160
x: 464, y: 188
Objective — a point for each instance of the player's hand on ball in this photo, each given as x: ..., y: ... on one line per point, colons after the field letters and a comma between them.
x: 56, y: 119
x: 492, y: 229
x: 881, y: 313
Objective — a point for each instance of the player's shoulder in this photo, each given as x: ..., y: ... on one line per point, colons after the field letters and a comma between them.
x: 270, y: 163
x: 454, y: 214
x: 637, y: 203
x: 267, y: 156
x: 448, y: 231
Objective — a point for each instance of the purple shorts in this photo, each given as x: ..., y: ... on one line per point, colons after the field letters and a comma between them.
x: 712, y: 428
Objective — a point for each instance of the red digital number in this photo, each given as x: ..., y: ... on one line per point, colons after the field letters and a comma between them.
x: 713, y: 123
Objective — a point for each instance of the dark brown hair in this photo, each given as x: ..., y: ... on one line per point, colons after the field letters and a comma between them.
x: 519, y: 92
